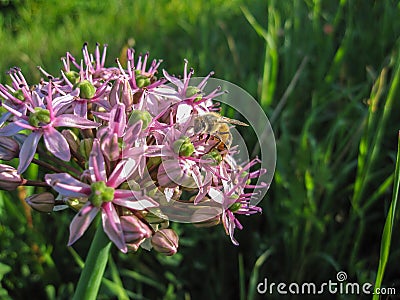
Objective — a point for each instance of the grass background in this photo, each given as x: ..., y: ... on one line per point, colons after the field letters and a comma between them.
x: 325, y: 72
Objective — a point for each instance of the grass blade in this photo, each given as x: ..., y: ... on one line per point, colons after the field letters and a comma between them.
x: 388, y: 229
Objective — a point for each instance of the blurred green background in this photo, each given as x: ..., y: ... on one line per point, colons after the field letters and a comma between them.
x: 325, y: 72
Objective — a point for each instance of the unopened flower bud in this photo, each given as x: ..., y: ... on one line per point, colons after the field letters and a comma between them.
x: 87, y: 89
x: 110, y: 146
x: 43, y: 202
x: 85, y: 147
x: 142, y: 115
x: 72, y: 139
x: 183, y: 146
x: 135, y: 231
x: 127, y: 96
x: 72, y: 76
x: 9, y: 178
x: 9, y: 148
x: 165, y: 241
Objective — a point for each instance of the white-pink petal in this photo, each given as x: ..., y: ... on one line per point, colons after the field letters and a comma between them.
x: 96, y: 163
x: 68, y: 186
x: 81, y: 222
x: 28, y: 151
x: 56, y: 143
x: 69, y: 120
x: 112, y: 226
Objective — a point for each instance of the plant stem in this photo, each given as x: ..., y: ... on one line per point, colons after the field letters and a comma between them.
x: 35, y: 183
x: 46, y: 165
x: 96, y: 261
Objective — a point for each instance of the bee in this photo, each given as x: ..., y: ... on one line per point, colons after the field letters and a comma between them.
x: 215, y: 125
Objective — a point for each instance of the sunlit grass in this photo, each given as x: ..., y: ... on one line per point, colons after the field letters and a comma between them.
x: 326, y: 74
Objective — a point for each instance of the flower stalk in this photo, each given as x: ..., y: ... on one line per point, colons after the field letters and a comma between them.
x: 95, y: 265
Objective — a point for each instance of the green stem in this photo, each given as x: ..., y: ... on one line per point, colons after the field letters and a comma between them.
x: 96, y: 261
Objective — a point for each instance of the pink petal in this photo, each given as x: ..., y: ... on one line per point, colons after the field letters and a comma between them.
x: 67, y: 186
x: 96, y: 163
x: 56, y: 143
x: 81, y: 222
x: 173, y: 80
x: 112, y: 226
x: 132, y: 133
x: 80, y: 109
x: 117, y: 119
x: 122, y: 172
x: 10, y: 130
x: 133, y: 200
x: 69, y: 120
x: 28, y: 151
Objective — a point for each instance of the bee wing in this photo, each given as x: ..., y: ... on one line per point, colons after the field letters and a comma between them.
x: 233, y: 121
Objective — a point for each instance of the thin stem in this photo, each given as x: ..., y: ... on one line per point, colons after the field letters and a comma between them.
x: 46, y: 165
x: 96, y: 261
x: 35, y: 183
x: 59, y: 162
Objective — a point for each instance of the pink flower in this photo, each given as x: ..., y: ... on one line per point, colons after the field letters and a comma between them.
x: 103, y: 196
x: 42, y: 121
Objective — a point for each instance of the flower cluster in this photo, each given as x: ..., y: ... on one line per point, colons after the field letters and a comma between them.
x: 122, y: 143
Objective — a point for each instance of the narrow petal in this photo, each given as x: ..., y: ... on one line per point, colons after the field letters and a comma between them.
x: 28, y: 150
x: 122, y: 172
x: 57, y: 144
x: 96, y: 163
x: 117, y: 119
x: 10, y: 130
x: 216, y: 195
x: 70, y: 120
x: 68, y: 186
x: 133, y: 200
x: 112, y: 226
x: 173, y: 80
x: 81, y: 222
x: 80, y: 109
x: 132, y: 133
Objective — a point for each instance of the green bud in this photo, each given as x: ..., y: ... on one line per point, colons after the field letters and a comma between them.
x: 39, y: 117
x: 245, y: 174
x: 100, y: 193
x: 183, y: 146
x: 235, y: 207
x: 19, y: 95
x: 72, y: 76
x: 153, y: 161
x: 137, y: 115
x: 87, y: 90
x: 142, y: 81
x: 214, y: 156
x: 191, y: 91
